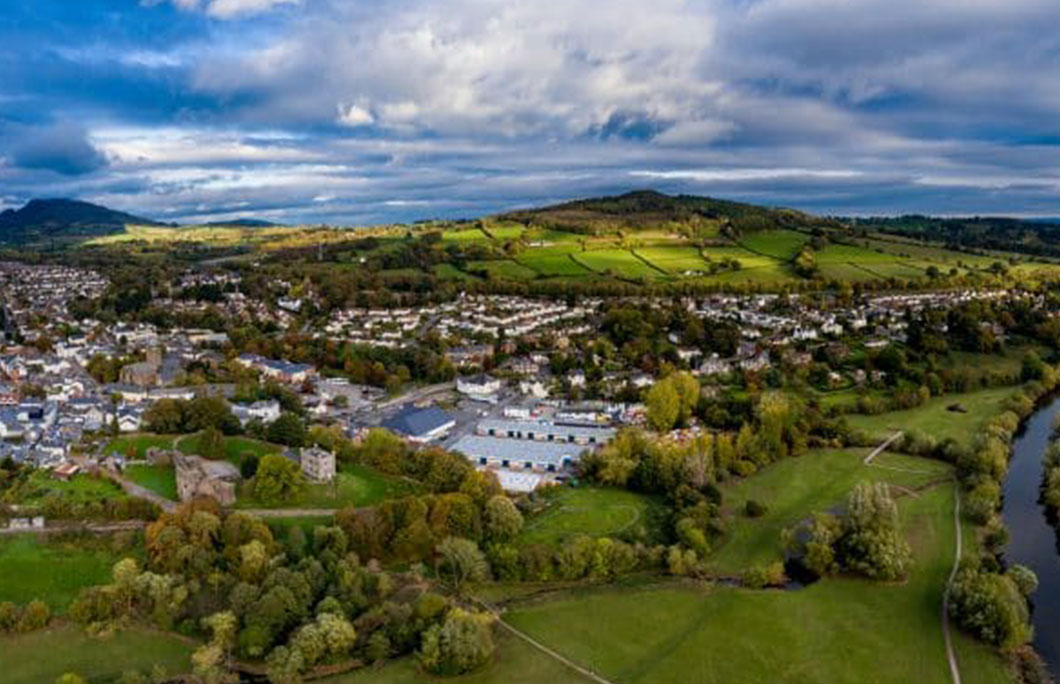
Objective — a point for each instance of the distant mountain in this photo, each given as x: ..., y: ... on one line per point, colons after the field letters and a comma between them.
x: 63, y: 219
x: 243, y: 223
x: 645, y: 209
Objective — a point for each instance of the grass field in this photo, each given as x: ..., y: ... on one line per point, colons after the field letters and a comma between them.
x: 595, y: 512
x: 161, y: 480
x: 80, y: 489
x: 619, y: 262
x: 779, y: 244
x: 674, y: 259
x: 139, y: 443
x: 235, y: 447
x: 53, y: 572
x: 515, y: 662
x: 836, y: 631
x: 505, y: 269
x: 933, y: 419
x: 354, y: 484
x: 42, y: 657
x: 796, y: 487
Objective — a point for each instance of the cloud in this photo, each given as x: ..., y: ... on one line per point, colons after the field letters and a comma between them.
x: 227, y: 9
x: 354, y: 116
x: 62, y: 147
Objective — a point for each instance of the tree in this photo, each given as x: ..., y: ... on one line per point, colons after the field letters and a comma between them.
x: 248, y: 465
x: 663, y: 406
x: 503, y: 519
x: 687, y: 388
x: 871, y: 543
x: 463, y: 643
x: 279, y: 480
x: 288, y: 429
x: 211, y: 444
x: 165, y: 416
x: 462, y: 561
x: 990, y: 606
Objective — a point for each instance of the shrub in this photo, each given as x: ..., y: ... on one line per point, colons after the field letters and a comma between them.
x: 754, y: 509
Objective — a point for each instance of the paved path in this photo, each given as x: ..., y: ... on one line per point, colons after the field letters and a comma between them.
x: 541, y: 647
x: 881, y: 448
x: 955, y: 672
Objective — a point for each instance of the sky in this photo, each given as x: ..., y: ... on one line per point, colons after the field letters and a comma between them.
x: 354, y: 112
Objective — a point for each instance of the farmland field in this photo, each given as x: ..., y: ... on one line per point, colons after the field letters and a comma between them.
x: 552, y: 263
x: 674, y: 259
x: 505, y: 269
x: 620, y: 262
x: 779, y: 244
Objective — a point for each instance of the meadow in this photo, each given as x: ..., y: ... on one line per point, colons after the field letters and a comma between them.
x: 53, y: 571
x: 934, y: 419
x: 836, y: 630
x: 792, y: 488
x: 41, y: 657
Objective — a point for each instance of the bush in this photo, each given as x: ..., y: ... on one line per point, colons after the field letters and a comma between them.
x: 990, y: 607
x: 761, y: 576
x: 463, y: 643
x: 754, y: 509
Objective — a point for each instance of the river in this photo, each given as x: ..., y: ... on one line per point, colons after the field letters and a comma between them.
x: 1032, y: 540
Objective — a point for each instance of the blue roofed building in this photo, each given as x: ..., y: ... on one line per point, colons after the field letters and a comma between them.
x: 420, y: 424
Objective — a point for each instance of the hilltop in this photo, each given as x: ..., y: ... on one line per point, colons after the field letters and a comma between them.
x: 63, y: 219
x: 647, y: 209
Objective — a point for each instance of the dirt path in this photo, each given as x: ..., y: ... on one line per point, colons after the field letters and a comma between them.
x: 541, y: 647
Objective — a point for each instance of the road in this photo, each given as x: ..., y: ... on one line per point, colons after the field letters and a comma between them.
x: 415, y: 395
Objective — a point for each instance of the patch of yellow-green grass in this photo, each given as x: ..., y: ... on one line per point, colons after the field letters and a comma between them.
x: 465, y: 235
x: 505, y: 269
x: 934, y: 419
x: 618, y: 262
x: 673, y: 259
x: 779, y: 244
x: 44, y: 656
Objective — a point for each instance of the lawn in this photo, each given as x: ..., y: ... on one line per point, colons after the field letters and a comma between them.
x: 235, y: 447
x: 795, y: 488
x: 53, y: 572
x: 140, y: 443
x: 161, y: 480
x: 836, y: 631
x: 42, y: 657
x: 932, y: 418
x: 596, y: 512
